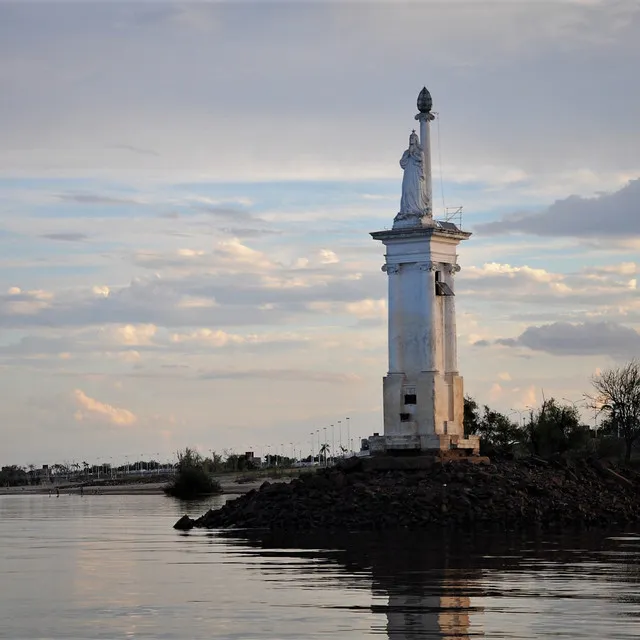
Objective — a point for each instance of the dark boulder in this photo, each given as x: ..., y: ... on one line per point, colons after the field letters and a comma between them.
x: 185, y: 523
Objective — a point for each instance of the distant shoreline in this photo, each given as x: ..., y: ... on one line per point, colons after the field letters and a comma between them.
x: 229, y: 486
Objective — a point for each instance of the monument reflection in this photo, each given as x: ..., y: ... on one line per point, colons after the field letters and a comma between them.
x: 424, y: 588
x: 430, y: 591
x: 429, y: 615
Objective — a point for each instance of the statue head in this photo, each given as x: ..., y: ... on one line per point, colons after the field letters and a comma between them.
x: 414, y: 141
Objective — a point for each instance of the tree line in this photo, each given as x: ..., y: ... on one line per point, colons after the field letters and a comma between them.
x: 555, y: 428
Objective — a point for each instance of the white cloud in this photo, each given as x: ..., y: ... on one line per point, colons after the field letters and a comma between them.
x: 508, y: 271
x: 102, y: 291
x: 195, y: 302
x: 327, y: 256
x: 133, y: 335
x: 91, y: 408
x: 215, y: 338
x: 26, y: 303
x: 496, y: 391
x: 622, y: 268
x: 191, y: 253
x: 363, y: 309
x: 368, y: 308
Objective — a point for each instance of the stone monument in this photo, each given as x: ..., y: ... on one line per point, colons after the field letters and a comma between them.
x: 423, y: 393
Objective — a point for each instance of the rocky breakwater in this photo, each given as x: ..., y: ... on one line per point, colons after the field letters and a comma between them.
x: 511, y: 495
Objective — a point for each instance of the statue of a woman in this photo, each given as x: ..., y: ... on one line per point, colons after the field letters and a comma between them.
x: 413, y: 198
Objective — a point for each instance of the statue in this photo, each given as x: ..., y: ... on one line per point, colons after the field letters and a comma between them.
x: 413, y: 202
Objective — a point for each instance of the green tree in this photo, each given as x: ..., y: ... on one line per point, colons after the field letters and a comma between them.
x: 554, y: 429
x: 13, y: 476
x: 471, y: 416
x: 498, y: 434
x: 617, y: 395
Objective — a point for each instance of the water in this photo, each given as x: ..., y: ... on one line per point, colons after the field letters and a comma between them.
x: 113, y: 567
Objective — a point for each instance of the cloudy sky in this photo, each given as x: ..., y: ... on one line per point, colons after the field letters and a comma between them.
x: 186, y: 192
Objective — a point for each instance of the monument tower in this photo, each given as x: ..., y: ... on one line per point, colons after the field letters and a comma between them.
x: 423, y: 392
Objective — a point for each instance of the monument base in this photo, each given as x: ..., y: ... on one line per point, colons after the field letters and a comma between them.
x: 402, y: 462
x: 424, y: 444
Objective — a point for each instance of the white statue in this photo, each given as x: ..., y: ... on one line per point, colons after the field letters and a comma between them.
x: 413, y: 202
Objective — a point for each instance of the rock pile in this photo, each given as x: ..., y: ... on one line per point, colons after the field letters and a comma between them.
x: 511, y: 495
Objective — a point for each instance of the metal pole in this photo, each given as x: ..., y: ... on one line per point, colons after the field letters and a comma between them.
x: 333, y: 442
x: 348, y: 436
x: 325, y: 445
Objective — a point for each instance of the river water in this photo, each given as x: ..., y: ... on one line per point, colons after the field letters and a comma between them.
x: 107, y: 566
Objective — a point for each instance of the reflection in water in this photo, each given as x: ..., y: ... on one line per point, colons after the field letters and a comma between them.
x: 457, y: 587
x: 428, y: 591
x: 412, y: 614
x: 428, y: 595
x: 103, y: 567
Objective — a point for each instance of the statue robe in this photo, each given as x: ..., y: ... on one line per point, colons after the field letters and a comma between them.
x: 413, y: 198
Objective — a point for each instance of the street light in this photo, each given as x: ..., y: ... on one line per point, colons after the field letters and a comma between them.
x: 520, y: 412
x: 348, y: 435
x: 333, y: 442
x: 575, y: 404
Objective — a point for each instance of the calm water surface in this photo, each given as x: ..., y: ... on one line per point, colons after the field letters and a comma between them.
x: 113, y: 567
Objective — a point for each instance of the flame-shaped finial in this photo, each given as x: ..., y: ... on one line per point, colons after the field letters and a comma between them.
x: 425, y: 102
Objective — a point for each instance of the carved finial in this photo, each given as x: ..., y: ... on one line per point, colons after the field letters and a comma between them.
x: 425, y: 102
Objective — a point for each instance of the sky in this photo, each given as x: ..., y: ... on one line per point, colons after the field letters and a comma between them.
x: 187, y: 191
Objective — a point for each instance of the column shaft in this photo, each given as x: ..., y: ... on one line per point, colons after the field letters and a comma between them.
x: 396, y: 364
x: 451, y: 341
x: 425, y: 141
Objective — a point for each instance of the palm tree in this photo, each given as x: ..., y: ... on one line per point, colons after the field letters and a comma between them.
x: 324, y: 449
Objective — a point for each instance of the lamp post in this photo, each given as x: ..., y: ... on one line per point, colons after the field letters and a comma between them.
x: 311, y: 441
x: 333, y: 442
x: 340, y: 434
x: 519, y: 412
x: 318, y: 434
x: 348, y: 436
x: 325, y: 445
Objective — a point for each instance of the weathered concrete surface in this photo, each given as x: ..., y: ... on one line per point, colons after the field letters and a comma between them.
x: 506, y: 495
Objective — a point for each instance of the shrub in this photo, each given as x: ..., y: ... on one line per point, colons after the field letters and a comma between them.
x: 192, y: 479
